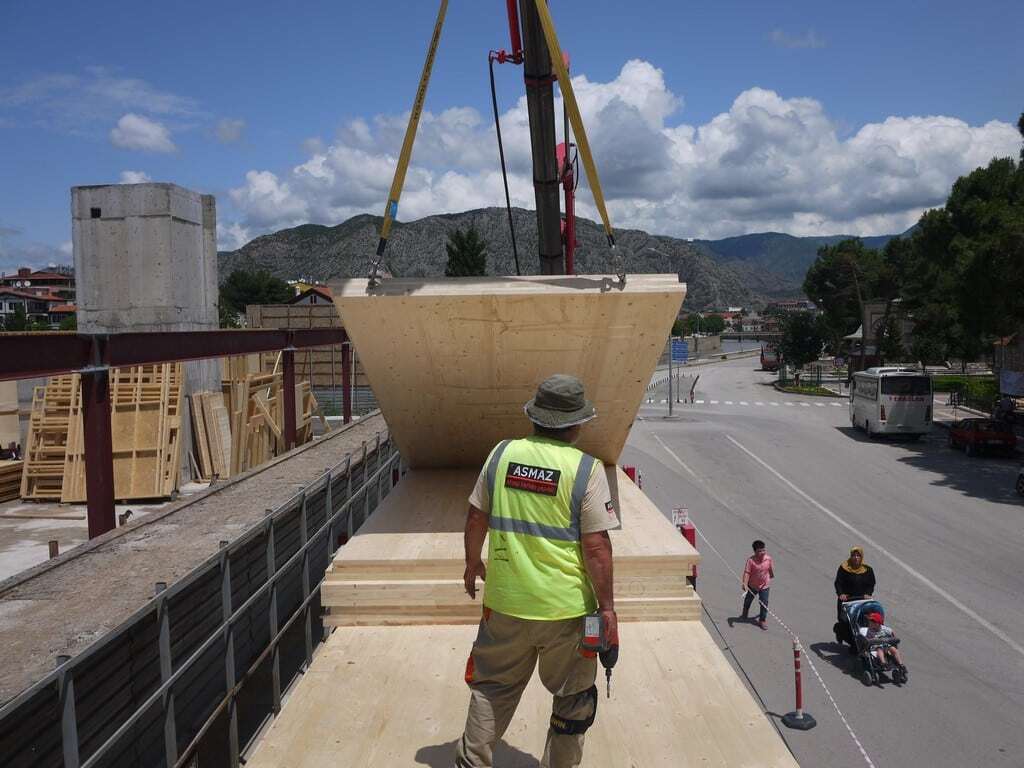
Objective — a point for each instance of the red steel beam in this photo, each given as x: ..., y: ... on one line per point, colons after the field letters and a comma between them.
x: 288, y: 369
x: 27, y: 355
x: 99, y: 450
x: 346, y: 383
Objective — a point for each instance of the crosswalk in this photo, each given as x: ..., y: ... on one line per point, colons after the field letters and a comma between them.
x: 759, y: 404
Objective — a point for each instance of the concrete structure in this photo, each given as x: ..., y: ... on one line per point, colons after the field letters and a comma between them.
x: 146, y: 260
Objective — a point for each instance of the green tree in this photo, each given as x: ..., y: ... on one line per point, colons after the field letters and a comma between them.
x: 890, y: 340
x: 803, y: 337
x: 243, y: 288
x: 679, y: 327
x: 69, y: 323
x: 467, y: 254
x: 712, y: 324
x: 838, y: 282
x: 17, y: 320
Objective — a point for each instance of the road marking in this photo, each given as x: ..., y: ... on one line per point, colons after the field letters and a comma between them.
x: 664, y: 401
x: 699, y: 402
x: 789, y: 404
x: 758, y: 403
x: 836, y: 405
x: 775, y: 404
x: 714, y: 402
x: 805, y: 405
x: 820, y: 405
x: 744, y: 402
x: 909, y: 569
x: 728, y: 402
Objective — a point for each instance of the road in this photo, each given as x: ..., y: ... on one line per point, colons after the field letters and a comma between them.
x: 944, y: 533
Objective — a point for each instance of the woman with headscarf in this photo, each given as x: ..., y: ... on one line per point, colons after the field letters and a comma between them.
x: 854, y: 580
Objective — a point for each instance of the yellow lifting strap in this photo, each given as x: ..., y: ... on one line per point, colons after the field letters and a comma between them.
x: 391, y: 209
x: 558, y: 62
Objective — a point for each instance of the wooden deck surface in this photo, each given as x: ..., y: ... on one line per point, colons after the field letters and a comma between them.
x: 392, y: 697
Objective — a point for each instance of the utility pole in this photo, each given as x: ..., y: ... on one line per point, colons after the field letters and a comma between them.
x: 670, y: 373
x: 540, y: 104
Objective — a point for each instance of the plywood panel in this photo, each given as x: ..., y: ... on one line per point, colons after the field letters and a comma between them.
x: 676, y: 703
x: 10, y: 429
x: 452, y: 362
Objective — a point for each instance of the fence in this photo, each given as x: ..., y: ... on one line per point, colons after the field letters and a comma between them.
x: 191, y: 677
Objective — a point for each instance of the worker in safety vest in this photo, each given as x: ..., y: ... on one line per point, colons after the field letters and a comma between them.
x: 547, y: 509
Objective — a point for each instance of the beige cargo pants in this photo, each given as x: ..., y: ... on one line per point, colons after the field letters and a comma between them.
x: 501, y: 664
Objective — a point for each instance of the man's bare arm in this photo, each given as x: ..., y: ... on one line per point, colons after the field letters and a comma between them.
x: 597, y: 557
x: 476, y: 532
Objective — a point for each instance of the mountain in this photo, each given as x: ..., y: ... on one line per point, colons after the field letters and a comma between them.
x: 416, y: 249
x: 773, y: 263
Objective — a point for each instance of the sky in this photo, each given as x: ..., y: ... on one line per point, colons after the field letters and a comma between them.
x: 707, y: 119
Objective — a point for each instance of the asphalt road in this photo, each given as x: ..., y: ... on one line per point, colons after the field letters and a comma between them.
x: 944, y: 533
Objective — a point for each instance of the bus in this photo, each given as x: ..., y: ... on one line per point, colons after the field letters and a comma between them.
x: 891, y: 401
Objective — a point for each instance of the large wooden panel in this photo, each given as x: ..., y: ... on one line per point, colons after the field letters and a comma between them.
x: 452, y: 362
x: 394, y: 697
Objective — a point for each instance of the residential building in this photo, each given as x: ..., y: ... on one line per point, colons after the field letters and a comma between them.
x: 56, y: 280
x: 316, y: 294
x: 36, y: 306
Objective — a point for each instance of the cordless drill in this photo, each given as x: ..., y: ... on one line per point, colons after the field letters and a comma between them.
x: 595, y: 640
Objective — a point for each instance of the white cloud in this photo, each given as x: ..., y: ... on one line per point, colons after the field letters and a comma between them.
x: 228, y: 131
x: 314, y: 145
x: 231, y: 236
x: 139, y: 132
x: 809, y: 39
x: 768, y: 163
x: 134, y: 177
x: 15, y: 254
x: 66, y: 248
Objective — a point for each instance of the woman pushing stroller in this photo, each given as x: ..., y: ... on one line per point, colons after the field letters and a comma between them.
x: 855, y: 580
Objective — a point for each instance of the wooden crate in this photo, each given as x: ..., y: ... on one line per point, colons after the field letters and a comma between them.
x: 10, y: 480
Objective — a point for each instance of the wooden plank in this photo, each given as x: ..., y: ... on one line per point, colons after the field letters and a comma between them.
x: 10, y: 426
x: 200, y: 436
x: 463, y: 355
x: 675, y: 703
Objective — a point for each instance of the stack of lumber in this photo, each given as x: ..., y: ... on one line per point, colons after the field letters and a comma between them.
x: 10, y: 480
x: 211, y: 435
x: 53, y: 409
x: 10, y: 427
x: 404, y: 565
x: 145, y: 420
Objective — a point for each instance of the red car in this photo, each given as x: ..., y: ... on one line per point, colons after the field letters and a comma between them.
x: 981, y: 435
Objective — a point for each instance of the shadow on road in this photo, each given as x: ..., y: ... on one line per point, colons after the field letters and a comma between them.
x: 990, y: 478
x: 838, y: 655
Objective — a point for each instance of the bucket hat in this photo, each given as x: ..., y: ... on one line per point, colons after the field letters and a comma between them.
x: 559, y: 403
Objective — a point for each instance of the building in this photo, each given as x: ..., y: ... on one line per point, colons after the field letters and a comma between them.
x: 56, y: 280
x: 36, y: 306
x: 317, y: 294
x: 790, y: 305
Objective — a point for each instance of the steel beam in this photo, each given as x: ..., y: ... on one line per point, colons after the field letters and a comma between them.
x: 346, y: 383
x: 288, y: 383
x: 99, y: 449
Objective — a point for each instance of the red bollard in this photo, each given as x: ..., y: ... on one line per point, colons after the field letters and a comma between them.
x: 630, y: 472
x: 798, y: 719
x: 681, y: 520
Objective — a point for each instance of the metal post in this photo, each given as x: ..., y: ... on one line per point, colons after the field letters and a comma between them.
x: 68, y: 719
x: 275, y: 653
x: 332, y: 541
x: 348, y: 496
x: 99, y: 450
x: 670, y: 374
x: 346, y: 382
x: 229, y: 656
x: 166, y: 669
x: 366, y: 491
x: 288, y: 367
x: 303, y: 539
x: 798, y: 719
x: 54, y: 545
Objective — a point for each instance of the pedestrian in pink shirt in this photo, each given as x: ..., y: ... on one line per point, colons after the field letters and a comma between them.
x: 757, y: 576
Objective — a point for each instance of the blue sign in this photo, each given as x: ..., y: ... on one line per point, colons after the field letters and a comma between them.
x: 680, y: 351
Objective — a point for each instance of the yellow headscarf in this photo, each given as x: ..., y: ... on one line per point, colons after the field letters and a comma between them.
x: 847, y: 566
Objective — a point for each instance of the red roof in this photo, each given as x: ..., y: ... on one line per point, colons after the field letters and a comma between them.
x: 39, y: 276
x: 64, y: 308
x: 34, y: 296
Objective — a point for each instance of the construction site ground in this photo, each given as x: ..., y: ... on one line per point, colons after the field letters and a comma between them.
x: 61, y: 606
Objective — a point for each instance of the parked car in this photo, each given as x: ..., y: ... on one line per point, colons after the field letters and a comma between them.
x: 1020, y: 481
x: 977, y: 436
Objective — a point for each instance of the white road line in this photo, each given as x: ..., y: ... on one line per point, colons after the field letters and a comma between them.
x: 836, y: 405
x: 820, y: 405
x: 664, y: 401
x: 758, y: 403
x: 909, y: 569
x: 744, y: 402
x: 775, y: 404
x: 699, y: 402
x: 805, y: 405
x: 714, y: 402
x: 789, y: 404
x: 728, y: 402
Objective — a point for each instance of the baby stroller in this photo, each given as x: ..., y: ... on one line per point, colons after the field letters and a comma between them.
x: 852, y: 630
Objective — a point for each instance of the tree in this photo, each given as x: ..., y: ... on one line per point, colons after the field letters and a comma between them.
x: 17, y: 320
x: 890, y: 340
x: 838, y: 283
x: 467, y: 254
x: 243, y: 288
x: 679, y: 327
x: 69, y: 323
x: 803, y: 337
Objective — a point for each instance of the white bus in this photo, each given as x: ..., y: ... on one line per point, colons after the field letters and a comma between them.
x: 891, y: 401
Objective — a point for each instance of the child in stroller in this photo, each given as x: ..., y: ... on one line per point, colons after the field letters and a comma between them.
x: 875, y: 644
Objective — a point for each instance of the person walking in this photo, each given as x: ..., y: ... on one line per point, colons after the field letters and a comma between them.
x: 547, y: 509
x: 758, y: 573
x: 855, y: 580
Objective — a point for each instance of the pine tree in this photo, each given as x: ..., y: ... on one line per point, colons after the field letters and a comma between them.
x: 467, y: 254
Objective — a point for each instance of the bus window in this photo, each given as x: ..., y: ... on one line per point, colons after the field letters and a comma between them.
x: 906, y: 385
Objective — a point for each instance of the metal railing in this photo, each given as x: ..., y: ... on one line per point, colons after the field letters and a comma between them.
x: 325, y: 510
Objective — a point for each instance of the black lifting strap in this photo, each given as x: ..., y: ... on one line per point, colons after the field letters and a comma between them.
x: 565, y: 727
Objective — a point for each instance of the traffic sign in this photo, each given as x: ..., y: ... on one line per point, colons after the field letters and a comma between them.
x: 680, y: 515
x: 680, y: 351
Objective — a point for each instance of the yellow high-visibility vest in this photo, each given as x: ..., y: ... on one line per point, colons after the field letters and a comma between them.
x: 535, y: 566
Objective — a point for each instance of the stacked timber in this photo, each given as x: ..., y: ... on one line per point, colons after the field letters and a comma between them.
x: 10, y: 480
x: 211, y: 431
x: 405, y: 564
x: 145, y: 420
x: 10, y: 426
